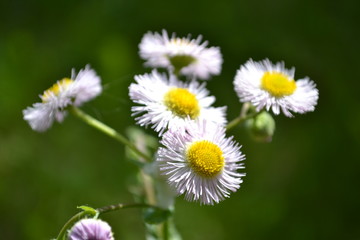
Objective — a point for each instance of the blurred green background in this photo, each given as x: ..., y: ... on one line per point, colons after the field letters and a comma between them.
x: 303, y: 185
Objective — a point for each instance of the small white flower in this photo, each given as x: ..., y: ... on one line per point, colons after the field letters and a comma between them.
x: 200, y: 162
x: 81, y: 88
x: 170, y: 102
x: 266, y: 85
x: 87, y: 229
x: 186, y: 56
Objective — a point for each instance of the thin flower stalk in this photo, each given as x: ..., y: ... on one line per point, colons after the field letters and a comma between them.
x: 107, y: 130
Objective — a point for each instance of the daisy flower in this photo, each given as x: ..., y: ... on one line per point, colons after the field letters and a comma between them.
x: 268, y: 85
x: 200, y: 162
x: 90, y: 228
x: 81, y: 88
x: 185, y: 56
x: 169, y: 102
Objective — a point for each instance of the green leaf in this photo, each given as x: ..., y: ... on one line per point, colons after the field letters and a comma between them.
x: 156, y: 215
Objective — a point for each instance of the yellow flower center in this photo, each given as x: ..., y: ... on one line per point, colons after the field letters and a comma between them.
x: 56, y: 88
x: 182, y: 103
x: 205, y: 158
x: 278, y: 84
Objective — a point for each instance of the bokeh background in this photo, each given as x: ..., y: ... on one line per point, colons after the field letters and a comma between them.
x: 303, y: 185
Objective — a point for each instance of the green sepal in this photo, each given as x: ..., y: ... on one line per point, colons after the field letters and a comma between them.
x: 90, y: 211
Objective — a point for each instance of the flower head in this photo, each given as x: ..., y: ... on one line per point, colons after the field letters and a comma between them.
x: 169, y: 102
x: 268, y: 85
x: 186, y: 56
x: 200, y: 162
x: 87, y: 229
x: 81, y: 88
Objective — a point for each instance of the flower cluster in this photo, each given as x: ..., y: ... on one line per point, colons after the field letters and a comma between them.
x: 196, y: 156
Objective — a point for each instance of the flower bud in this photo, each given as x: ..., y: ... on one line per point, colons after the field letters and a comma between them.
x: 262, y: 127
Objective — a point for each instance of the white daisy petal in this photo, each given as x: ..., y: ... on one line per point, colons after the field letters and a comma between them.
x: 272, y: 86
x: 192, y: 58
x: 169, y: 102
x: 39, y: 116
x: 87, y: 85
x: 200, y: 162
x: 81, y: 88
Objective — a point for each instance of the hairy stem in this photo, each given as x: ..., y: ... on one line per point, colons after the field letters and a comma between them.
x: 119, y: 206
x: 107, y: 130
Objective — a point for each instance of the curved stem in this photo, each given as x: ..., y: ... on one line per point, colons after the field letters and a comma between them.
x: 107, y: 130
x: 71, y: 222
x: 162, y: 227
x: 239, y: 120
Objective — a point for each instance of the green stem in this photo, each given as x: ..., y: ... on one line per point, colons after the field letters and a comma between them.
x: 165, y: 228
x: 239, y: 120
x: 123, y: 206
x: 70, y: 223
x: 243, y: 116
x: 107, y: 130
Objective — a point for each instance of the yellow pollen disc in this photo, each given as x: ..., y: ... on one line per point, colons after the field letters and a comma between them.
x: 278, y: 84
x: 182, y: 103
x: 56, y: 88
x: 205, y: 158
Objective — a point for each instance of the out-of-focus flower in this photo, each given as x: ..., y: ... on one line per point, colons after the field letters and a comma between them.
x: 81, y: 88
x: 184, y: 56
